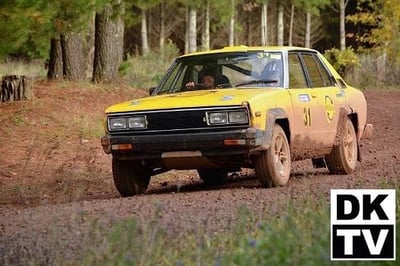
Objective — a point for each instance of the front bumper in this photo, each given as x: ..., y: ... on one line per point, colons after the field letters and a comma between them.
x: 236, y: 141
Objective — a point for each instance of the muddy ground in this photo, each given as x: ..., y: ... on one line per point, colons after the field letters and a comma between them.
x: 54, y: 174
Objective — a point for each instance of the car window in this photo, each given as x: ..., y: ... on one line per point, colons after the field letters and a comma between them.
x: 319, y: 76
x: 253, y: 69
x: 297, y: 77
x: 174, y: 76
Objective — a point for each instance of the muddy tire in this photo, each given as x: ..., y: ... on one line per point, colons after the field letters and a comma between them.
x: 272, y: 167
x: 129, y: 177
x: 343, y: 158
x: 213, y: 176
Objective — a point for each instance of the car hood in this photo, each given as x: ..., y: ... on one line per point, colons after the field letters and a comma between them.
x: 201, y: 98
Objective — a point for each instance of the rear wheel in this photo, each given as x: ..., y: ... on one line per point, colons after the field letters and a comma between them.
x: 343, y: 158
x: 272, y: 167
x: 130, y: 178
x: 213, y: 176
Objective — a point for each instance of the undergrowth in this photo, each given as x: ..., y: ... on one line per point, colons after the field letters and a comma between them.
x: 299, y: 235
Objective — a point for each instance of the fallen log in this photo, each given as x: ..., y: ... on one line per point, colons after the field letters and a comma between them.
x: 16, y: 88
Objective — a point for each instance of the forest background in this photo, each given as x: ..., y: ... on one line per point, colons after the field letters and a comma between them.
x: 135, y: 40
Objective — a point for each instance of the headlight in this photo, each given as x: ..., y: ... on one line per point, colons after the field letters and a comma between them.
x: 137, y: 122
x: 218, y: 118
x: 126, y: 123
x: 228, y: 117
x: 237, y: 117
x: 117, y: 123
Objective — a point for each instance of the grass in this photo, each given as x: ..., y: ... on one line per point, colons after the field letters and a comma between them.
x: 147, y: 71
x: 88, y: 126
x: 31, y: 69
x: 300, y: 235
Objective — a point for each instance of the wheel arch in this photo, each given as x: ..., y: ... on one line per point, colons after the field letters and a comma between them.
x: 354, y: 120
x: 284, y: 124
x: 280, y: 117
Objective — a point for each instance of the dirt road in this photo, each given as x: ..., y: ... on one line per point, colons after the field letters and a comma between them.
x: 55, y: 177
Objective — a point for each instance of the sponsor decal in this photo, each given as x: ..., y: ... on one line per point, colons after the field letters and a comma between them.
x: 307, y: 116
x: 304, y: 98
x: 329, y: 108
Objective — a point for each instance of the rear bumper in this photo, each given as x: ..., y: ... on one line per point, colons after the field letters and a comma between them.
x: 236, y: 141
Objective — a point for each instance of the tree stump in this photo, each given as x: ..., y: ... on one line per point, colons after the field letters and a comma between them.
x: 16, y: 88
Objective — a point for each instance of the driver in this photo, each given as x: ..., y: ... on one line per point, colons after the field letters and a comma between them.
x: 207, y: 82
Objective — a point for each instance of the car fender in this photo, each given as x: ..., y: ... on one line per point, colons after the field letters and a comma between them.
x: 272, y: 115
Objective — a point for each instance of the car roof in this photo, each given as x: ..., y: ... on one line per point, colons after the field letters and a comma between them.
x: 244, y: 48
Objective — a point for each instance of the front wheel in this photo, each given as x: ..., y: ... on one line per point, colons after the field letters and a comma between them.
x: 130, y: 178
x: 272, y: 167
x: 343, y: 158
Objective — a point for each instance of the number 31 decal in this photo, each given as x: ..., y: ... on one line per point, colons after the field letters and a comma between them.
x: 307, y: 116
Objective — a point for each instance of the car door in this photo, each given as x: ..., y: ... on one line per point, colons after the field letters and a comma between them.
x: 314, y: 98
x: 327, y: 96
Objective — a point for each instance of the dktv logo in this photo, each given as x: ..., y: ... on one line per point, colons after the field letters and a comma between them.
x: 363, y: 224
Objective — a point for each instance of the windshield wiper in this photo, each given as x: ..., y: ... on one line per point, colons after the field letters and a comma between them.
x: 256, y: 81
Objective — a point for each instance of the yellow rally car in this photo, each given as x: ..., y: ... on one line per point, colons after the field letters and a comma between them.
x: 238, y: 107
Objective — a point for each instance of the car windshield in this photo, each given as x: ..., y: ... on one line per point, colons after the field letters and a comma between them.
x: 225, y: 70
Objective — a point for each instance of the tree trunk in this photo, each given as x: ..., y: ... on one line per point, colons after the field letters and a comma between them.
x: 74, y: 59
x: 249, y: 30
x: 280, y: 25
x: 162, y: 29
x: 16, y: 88
x: 308, y: 30
x: 232, y: 24
x: 264, y: 24
x: 205, y: 40
x: 108, y: 52
x: 145, y: 40
x: 342, y: 7
x: 187, y: 20
x: 55, y: 66
x: 290, y: 41
x: 192, y: 30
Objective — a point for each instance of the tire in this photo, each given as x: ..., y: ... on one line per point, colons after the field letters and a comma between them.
x: 272, y: 167
x: 213, y: 176
x: 129, y: 177
x: 343, y: 158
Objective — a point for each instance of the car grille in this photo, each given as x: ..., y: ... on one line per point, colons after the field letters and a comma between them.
x: 191, y: 119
